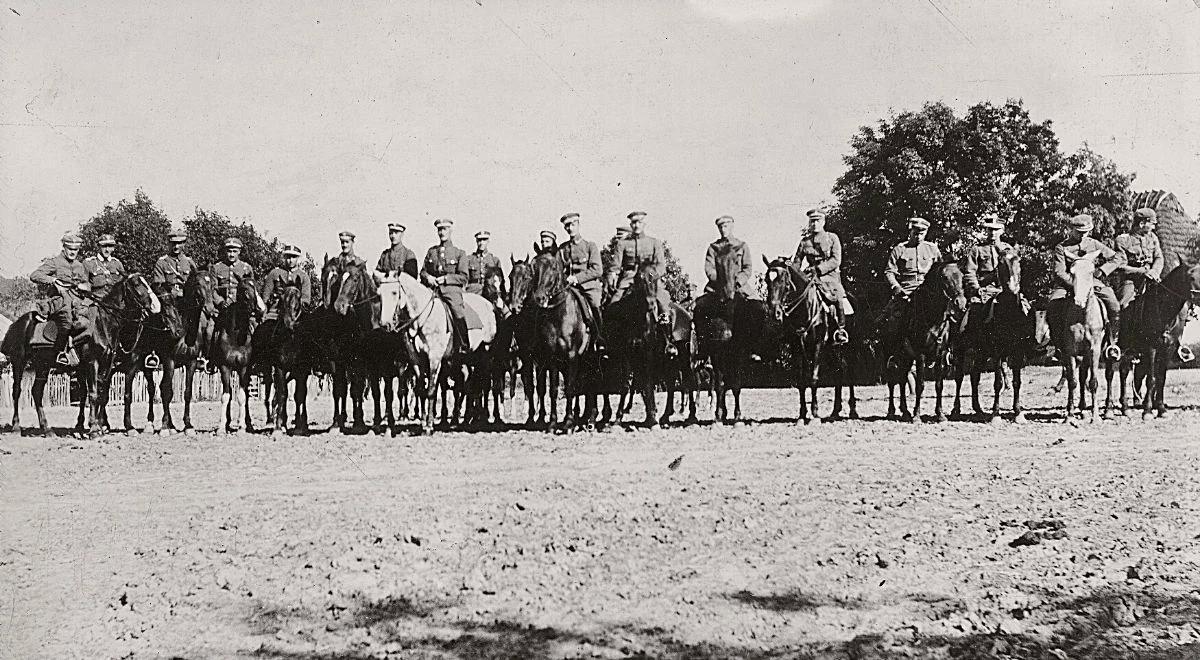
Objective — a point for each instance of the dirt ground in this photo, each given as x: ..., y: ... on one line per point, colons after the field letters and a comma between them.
x: 865, y: 539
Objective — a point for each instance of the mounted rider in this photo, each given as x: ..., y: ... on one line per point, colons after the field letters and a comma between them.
x: 548, y: 240
x: 104, y: 271
x: 1143, y: 256
x: 635, y: 251
x: 445, y: 271
x: 173, y: 269
x: 981, y: 264
x: 1076, y: 245
x: 62, y: 280
x: 907, y: 264
x: 480, y: 263
x: 397, y: 258
x: 823, y: 251
x: 288, y: 274
x: 581, y: 259
x: 229, y: 273
x: 729, y: 270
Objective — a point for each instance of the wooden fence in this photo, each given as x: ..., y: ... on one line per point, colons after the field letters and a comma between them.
x: 62, y: 391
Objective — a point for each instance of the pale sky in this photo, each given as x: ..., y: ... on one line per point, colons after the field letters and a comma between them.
x: 307, y: 118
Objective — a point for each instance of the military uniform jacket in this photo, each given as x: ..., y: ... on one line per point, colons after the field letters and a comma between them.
x: 824, y: 253
x: 229, y: 277
x: 171, y: 272
x: 908, y: 264
x: 398, y: 259
x: 725, y: 253
x: 344, y: 261
x: 1108, y: 261
x: 981, y: 263
x: 631, y: 253
x: 103, y: 273
x: 582, y: 259
x: 477, y: 268
x: 280, y: 278
x: 447, y: 261
x: 57, y: 267
x: 1140, y: 251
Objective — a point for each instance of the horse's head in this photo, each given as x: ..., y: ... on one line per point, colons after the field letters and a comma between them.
x: 330, y: 282
x: 549, y: 278
x: 355, y: 289
x: 1083, y: 276
x: 1009, y: 271
x: 949, y: 278
x: 198, y: 292
x: 520, y: 281
x: 248, y: 295
x: 1193, y: 273
x: 289, y: 306
x: 134, y: 292
x: 779, y: 285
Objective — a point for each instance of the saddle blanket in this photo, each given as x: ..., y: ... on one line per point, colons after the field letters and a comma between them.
x: 389, y: 292
x: 45, y: 333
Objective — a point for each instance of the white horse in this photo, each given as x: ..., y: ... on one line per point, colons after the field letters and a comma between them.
x: 1081, y: 335
x: 426, y: 319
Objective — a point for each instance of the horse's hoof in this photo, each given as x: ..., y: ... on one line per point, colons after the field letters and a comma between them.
x: 692, y: 420
x: 277, y: 434
x: 737, y: 423
x: 854, y: 414
x: 1019, y: 418
x: 163, y: 432
x: 995, y: 420
x: 132, y: 432
x: 941, y: 418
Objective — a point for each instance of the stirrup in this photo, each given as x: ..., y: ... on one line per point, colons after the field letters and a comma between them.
x: 841, y: 337
x: 63, y: 359
x: 1185, y: 354
x: 151, y: 361
x: 1112, y: 352
x: 202, y: 363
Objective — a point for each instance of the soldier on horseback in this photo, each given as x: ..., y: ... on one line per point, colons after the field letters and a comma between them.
x: 480, y: 263
x: 173, y: 269
x: 1076, y: 245
x: 823, y: 251
x: 633, y: 252
x: 397, y: 258
x: 1143, y: 256
x: 289, y: 274
x: 727, y: 265
x: 581, y: 258
x: 907, y: 265
x: 229, y: 273
x: 103, y: 269
x: 61, y: 279
x: 445, y: 271
x: 981, y: 279
x: 548, y: 239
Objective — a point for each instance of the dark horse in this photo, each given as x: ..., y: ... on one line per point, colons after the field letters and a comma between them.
x: 561, y: 339
x: 114, y: 328
x: 1003, y: 331
x: 178, y: 335
x: 519, y: 325
x: 280, y: 347
x: 231, y: 351
x: 1151, y: 328
x: 933, y: 313
x: 725, y: 335
x: 795, y: 300
x: 340, y: 322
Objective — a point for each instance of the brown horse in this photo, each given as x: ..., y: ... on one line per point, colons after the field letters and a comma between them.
x: 113, y: 331
x: 795, y: 301
x: 279, y: 347
x: 929, y: 319
x: 728, y: 324
x: 561, y: 338
x: 1151, y: 328
x: 519, y: 325
x: 231, y: 352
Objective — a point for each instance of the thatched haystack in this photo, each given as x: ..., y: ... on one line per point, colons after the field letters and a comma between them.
x: 1178, y: 233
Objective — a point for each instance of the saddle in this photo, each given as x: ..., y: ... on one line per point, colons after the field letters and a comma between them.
x: 590, y: 313
x: 45, y: 332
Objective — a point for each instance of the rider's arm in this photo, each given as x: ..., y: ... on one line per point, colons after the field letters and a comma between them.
x: 834, y: 260
x: 1156, y: 266
x: 971, y: 272
x: 892, y: 269
x: 745, y: 269
x: 1112, y: 259
x: 305, y: 289
x: 592, y: 271
x: 710, y: 264
x: 46, y: 274
x: 410, y: 265
x: 1060, y: 266
x: 461, y: 274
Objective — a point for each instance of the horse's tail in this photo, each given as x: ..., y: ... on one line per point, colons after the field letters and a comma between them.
x: 18, y: 336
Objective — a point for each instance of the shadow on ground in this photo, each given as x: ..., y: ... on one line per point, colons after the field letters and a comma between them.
x: 1113, y: 622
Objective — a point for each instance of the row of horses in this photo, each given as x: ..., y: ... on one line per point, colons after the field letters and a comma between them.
x: 395, y: 335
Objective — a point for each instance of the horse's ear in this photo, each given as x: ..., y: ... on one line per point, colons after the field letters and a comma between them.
x: 537, y: 249
x: 765, y: 262
x: 512, y: 260
x: 1091, y: 256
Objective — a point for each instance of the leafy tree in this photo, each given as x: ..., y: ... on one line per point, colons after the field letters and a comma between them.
x: 207, y: 232
x: 17, y: 296
x: 952, y: 170
x: 676, y: 280
x: 141, y: 230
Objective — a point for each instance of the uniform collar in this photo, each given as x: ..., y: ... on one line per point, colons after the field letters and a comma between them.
x: 480, y: 253
x: 446, y: 245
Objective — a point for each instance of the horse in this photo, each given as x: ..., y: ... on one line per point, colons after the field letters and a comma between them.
x: 174, y: 336
x: 935, y: 311
x: 561, y: 338
x: 116, y: 320
x: 1078, y: 331
x: 732, y: 324
x: 432, y: 334
x: 278, y: 347
x: 345, y: 315
x: 231, y: 351
x: 795, y: 301
x: 1151, y: 328
x: 1003, y: 331
x: 520, y: 324
x: 641, y: 355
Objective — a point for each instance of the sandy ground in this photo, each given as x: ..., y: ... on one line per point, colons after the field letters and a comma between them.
x: 867, y: 539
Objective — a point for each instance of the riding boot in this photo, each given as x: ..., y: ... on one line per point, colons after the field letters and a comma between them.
x: 840, y: 336
x: 462, y: 342
x: 598, y: 335
x: 61, y: 348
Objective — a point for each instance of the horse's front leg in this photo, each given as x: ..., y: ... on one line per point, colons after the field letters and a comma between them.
x: 167, y: 389
x: 1153, y: 378
x: 997, y: 388
x: 960, y: 368
x: 1109, y: 369
x: 974, y: 367
x: 377, y: 421
x: 919, y: 375
x: 1093, y: 385
x: 151, y: 400
x: 244, y: 380
x: 226, y: 397
x: 18, y: 372
x: 37, y: 392
x: 189, y: 381
x: 939, y: 373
